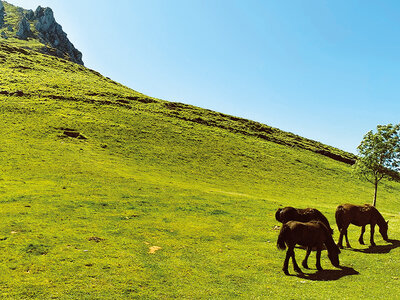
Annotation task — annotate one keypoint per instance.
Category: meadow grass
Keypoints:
(199, 189)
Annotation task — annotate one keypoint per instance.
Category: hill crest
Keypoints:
(25, 30)
(129, 99)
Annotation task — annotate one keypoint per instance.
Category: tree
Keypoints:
(379, 155)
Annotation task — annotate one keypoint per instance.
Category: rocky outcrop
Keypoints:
(24, 29)
(44, 28)
(50, 33)
(30, 15)
(45, 19)
(1, 14)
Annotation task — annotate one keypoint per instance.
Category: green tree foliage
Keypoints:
(379, 155)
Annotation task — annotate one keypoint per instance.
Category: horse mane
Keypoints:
(322, 218)
(380, 220)
(329, 242)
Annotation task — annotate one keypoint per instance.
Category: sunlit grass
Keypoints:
(198, 188)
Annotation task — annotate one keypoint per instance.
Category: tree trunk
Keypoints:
(375, 193)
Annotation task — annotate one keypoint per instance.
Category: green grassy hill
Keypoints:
(106, 193)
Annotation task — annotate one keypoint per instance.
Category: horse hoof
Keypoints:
(319, 269)
(362, 243)
(305, 266)
(299, 271)
(373, 245)
(286, 272)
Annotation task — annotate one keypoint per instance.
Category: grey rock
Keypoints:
(38, 12)
(4, 35)
(2, 12)
(24, 29)
(52, 34)
(10, 28)
(30, 15)
(45, 19)
(48, 31)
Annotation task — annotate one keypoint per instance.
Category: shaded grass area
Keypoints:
(81, 216)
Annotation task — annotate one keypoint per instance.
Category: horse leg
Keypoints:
(340, 241)
(372, 235)
(361, 240)
(343, 232)
(295, 265)
(319, 268)
(347, 239)
(286, 262)
(304, 263)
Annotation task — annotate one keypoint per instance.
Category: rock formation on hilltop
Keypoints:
(51, 33)
(1, 14)
(41, 25)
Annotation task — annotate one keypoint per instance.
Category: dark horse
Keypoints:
(312, 234)
(289, 213)
(359, 215)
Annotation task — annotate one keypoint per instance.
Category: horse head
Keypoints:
(333, 255)
(278, 215)
(383, 229)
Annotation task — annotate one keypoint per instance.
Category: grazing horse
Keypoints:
(289, 213)
(359, 215)
(312, 234)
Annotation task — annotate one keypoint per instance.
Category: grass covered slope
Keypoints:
(108, 193)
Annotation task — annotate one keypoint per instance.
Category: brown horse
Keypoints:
(359, 215)
(312, 234)
(289, 213)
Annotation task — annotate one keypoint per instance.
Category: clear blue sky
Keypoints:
(326, 70)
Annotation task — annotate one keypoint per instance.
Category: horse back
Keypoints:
(359, 215)
(289, 213)
(308, 234)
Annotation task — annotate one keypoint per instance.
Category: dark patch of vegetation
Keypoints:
(37, 249)
(95, 239)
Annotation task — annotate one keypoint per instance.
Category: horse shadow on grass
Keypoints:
(329, 275)
(380, 248)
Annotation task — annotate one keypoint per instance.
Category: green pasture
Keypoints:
(161, 200)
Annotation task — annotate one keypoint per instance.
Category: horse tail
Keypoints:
(278, 215)
(282, 237)
(339, 217)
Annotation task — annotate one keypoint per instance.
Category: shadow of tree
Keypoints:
(380, 248)
(329, 275)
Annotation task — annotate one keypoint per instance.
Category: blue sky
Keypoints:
(326, 70)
